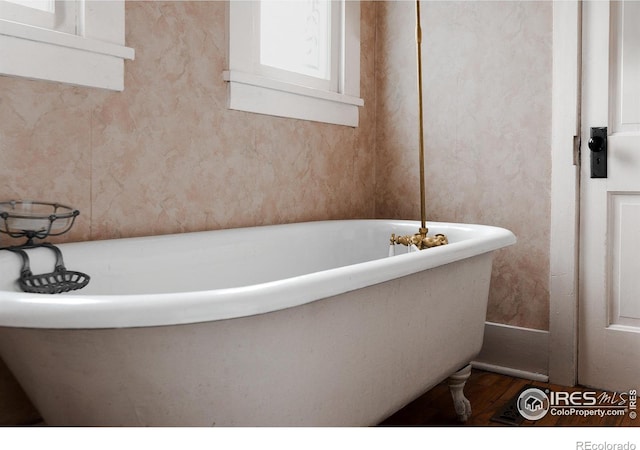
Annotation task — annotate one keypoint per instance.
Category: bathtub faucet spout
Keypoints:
(420, 239)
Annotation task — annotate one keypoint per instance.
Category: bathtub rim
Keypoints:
(62, 311)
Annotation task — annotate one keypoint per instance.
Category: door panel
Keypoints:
(609, 336)
(625, 66)
(624, 263)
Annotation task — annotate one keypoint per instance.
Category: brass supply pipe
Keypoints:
(420, 240)
(423, 215)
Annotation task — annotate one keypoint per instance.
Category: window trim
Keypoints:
(95, 59)
(259, 94)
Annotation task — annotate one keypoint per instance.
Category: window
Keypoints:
(78, 42)
(50, 14)
(298, 59)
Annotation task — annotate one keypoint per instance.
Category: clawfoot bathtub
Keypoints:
(301, 324)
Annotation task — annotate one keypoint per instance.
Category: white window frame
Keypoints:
(57, 15)
(251, 92)
(93, 57)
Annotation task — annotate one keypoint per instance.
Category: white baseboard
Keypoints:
(515, 351)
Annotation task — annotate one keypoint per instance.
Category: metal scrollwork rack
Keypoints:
(39, 220)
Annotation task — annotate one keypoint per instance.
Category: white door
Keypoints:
(609, 307)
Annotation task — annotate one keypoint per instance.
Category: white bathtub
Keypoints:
(300, 324)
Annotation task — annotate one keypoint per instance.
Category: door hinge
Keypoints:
(576, 150)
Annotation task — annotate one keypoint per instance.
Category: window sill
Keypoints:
(261, 95)
(37, 53)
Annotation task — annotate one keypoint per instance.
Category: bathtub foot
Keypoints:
(456, 385)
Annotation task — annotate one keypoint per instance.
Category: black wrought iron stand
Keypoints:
(39, 220)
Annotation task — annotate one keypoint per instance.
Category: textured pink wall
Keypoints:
(166, 155)
(487, 99)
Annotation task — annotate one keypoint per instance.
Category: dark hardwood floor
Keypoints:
(488, 394)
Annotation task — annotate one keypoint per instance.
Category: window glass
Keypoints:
(296, 36)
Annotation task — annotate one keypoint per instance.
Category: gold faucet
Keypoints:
(420, 239)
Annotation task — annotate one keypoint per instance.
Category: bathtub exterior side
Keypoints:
(348, 360)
